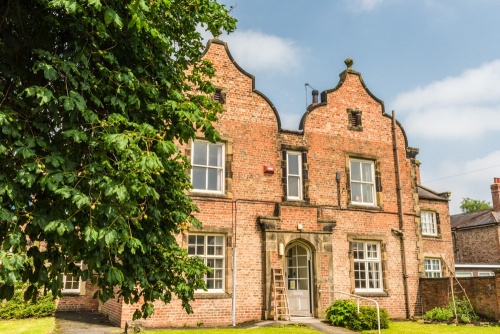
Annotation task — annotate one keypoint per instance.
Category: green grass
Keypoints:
(408, 327)
(286, 329)
(28, 326)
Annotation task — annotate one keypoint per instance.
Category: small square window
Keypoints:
(71, 282)
(354, 119)
(219, 96)
(432, 268)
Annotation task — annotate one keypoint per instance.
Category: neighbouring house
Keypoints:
(476, 239)
(336, 205)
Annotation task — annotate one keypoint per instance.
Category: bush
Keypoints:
(465, 313)
(17, 308)
(344, 313)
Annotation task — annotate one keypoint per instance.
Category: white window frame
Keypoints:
(367, 266)
(485, 274)
(207, 167)
(368, 185)
(216, 261)
(70, 278)
(296, 176)
(433, 268)
(463, 274)
(428, 223)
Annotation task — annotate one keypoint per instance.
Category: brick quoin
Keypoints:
(256, 217)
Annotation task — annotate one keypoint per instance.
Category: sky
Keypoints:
(436, 63)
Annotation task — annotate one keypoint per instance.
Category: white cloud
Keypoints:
(456, 107)
(255, 51)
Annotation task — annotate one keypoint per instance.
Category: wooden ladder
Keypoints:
(279, 298)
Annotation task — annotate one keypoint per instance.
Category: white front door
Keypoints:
(298, 280)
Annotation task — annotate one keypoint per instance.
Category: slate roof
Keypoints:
(426, 193)
(475, 219)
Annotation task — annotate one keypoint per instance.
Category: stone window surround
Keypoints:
(377, 182)
(382, 240)
(228, 237)
(228, 171)
(305, 172)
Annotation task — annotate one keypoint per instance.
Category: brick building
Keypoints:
(476, 239)
(336, 204)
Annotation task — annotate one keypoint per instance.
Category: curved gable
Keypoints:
(221, 58)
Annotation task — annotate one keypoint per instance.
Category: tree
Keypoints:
(94, 96)
(473, 205)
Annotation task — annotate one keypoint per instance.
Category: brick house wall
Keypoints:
(478, 245)
(81, 301)
(261, 225)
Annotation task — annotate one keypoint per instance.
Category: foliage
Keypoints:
(18, 308)
(94, 97)
(465, 313)
(438, 314)
(344, 313)
(28, 326)
(473, 205)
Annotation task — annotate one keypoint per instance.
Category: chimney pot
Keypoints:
(315, 96)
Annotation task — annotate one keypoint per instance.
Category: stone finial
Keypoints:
(349, 62)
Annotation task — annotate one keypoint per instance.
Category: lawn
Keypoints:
(285, 329)
(28, 326)
(407, 327)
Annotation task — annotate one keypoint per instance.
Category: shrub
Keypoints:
(465, 313)
(344, 313)
(17, 308)
(438, 314)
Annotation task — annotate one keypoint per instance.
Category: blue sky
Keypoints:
(435, 62)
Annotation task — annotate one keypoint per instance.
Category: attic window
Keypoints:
(354, 120)
(219, 96)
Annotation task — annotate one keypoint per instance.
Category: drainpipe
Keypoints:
(233, 307)
(400, 214)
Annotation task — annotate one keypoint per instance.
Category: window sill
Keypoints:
(211, 295)
(430, 236)
(71, 293)
(195, 193)
(364, 206)
(371, 293)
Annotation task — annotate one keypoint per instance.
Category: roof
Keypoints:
(475, 219)
(426, 193)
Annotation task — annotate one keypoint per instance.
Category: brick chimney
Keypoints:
(495, 193)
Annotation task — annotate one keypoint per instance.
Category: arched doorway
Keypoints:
(298, 279)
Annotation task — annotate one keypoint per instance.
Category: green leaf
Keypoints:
(110, 16)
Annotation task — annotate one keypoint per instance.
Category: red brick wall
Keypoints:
(483, 293)
(478, 245)
(79, 302)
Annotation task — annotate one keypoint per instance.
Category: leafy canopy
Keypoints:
(473, 205)
(94, 96)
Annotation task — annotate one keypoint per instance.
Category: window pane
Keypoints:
(199, 153)
(367, 193)
(293, 164)
(302, 261)
(356, 192)
(215, 155)
(367, 172)
(293, 186)
(303, 284)
(355, 171)
(199, 178)
(214, 179)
